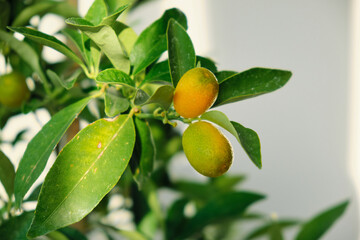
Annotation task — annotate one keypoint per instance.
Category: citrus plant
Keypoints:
(131, 137)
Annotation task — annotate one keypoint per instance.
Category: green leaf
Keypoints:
(181, 51)
(86, 169)
(220, 208)
(34, 194)
(159, 72)
(4, 14)
(222, 120)
(27, 53)
(271, 229)
(114, 76)
(250, 142)
(106, 39)
(152, 41)
(48, 40)
(207, 63)
(35, 9)
(133, 235)
(96, 12)
(77, 39)
(251, 83)
(316, 227)
(141, 97)
(110, 20)
(114, 103)
(72, 233)
(175, 218)
(67, 83)
(127, 38)
(40, 147)
(15, 228)
(143, 158)
(7, 174)
(162, 96)
(223, 75)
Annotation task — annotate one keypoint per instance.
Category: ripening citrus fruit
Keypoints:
(196, 92)
(207, 149)
(13, 90)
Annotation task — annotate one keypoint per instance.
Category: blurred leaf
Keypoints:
(222, 207)
(223, 75)
(56, 235)
(72, 233)
(114, 76)
(251, 83)
(316, 227)
(27, 13)
(7, 174)
(96, 12)
(19, 137)
(133, 235)
(93, 160)
(148, 225)
(67, 83)
(34, 194)
(40, 147)
(175, 218)
(159, 72)
(181, 51)
(106, 39)
(115, 104)
(227, 182)
(15, 228)
(49, 41)
(250, 142)
(151, 43)
(271, 229)
(207, 63)
(195, 190)
(4, 14)
(64, 9)
(144, 154)
(27, 53)
(162, 96)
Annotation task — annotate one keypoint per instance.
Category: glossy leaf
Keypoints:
(67, 83)
(152, 41)
(207, 63)
(40, 147)
(162, 96)
(114, 76)
(251, 83)
(141, 97)
(271, 229)
(144, 155)
(7, 174)
(15, 228)
(250, 142)
(220, 208)
(86, 169)
(48, 40)
(223, 75)
(106, 39)
(127, 38)
(35, 9)
(27, 53)
(160, 72)
(181, 51)
(114, 103)
(96, 12)
(318, 225)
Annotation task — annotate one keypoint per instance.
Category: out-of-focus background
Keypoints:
(308, 129)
